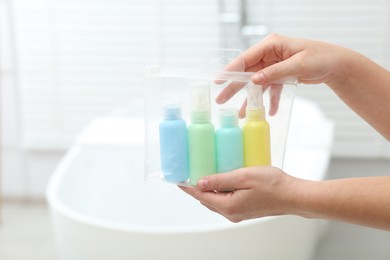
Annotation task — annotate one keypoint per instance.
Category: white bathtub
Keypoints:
(102, 209)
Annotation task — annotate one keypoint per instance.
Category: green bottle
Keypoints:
(201, 136)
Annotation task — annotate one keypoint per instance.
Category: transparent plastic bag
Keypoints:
(188, 135)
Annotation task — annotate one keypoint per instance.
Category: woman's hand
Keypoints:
(256, 192)
(267, 191)
(278, 57)
(246, 193)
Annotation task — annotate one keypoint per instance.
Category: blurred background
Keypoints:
(64, 63)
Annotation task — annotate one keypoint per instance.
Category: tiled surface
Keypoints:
(25, 233)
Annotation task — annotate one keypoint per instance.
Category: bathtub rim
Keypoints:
(56, 204)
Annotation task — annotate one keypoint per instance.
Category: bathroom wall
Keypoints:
(360, 25)
(65, 62)
(68, 62)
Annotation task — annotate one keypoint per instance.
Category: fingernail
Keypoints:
(202, 184)
(220, 100)
(258, 77)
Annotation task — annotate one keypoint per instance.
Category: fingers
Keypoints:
(229, 181)
(274, 59)
(229, 92)
(274, 95)
(242, 112)
(275, 92)
(256, 193)
(268, 59)
(269, 50)
(208, 198)
(236, 65)
(275, 72)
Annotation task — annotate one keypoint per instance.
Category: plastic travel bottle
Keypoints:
(174, 145)
(256, 132)
(201, 135)
(229, 142)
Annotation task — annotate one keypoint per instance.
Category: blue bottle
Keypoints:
(229, 142)
(174, 145)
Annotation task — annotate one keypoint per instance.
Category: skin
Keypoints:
(268, 191)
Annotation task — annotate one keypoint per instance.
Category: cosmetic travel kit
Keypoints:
(188, 135)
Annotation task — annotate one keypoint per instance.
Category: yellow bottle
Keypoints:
(256, 131)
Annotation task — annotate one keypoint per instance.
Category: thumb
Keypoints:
(223, 181)
(276, 73)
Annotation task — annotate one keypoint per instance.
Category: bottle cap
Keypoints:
(172, 111)
(200, 103)
(255, 107)
(228, 117)
(255, 97)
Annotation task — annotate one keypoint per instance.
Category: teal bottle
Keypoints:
(174, 145)
(229, 142)
(201, 136)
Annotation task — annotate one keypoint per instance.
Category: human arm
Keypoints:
(359, 82)
(268, 191)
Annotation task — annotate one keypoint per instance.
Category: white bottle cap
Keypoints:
(200, 102)
(172, 111)
(228, 117)
(255, 107)
(255, 97)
